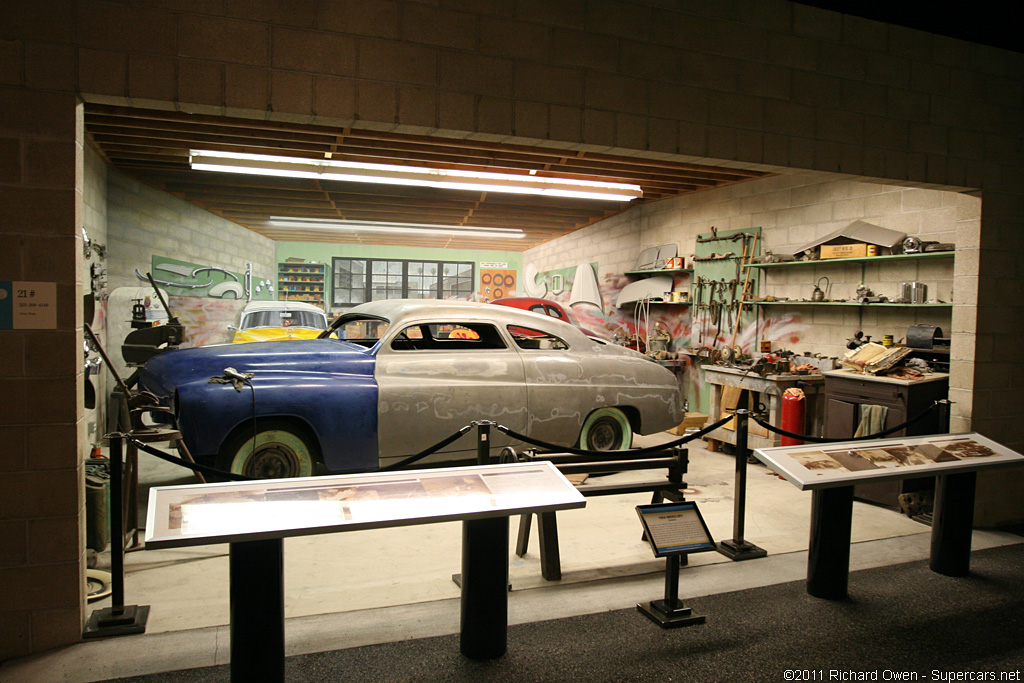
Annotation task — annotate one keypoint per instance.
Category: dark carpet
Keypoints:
(901, 622)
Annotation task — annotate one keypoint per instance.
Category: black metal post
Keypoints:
(944, 412)
(483, 633)
(483, 443)
(952, 524)
(256, 599)
(737, 548)
(670, 612)
(828, 558)
(116, 522)
(672, 582)
(118, 619)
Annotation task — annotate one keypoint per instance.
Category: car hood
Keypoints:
(169, 369)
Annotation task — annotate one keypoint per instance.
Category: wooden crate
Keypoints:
(691, 421)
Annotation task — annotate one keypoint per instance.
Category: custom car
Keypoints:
(391, 378)
(277, 320)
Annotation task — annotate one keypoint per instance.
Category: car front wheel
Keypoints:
(606, 429)
(274, 451)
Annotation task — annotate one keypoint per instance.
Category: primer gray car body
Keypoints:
(390, 379)
(545, 392)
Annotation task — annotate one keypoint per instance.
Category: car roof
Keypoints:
(399, 311)
(280, 306)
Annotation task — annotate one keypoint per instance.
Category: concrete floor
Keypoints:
(351, 589)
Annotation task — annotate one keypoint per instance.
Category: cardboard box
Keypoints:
(844, 250)
(691, 421)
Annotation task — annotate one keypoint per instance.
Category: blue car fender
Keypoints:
(338, 410)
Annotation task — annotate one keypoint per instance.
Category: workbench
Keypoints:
(768, 391)
(847, 391)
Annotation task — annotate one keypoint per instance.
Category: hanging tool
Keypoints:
(743, 292)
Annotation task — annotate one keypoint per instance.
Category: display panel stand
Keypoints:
(674, 530)
(828, 555)
(830, 471)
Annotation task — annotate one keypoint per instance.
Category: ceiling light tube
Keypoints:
(341, 225)
(350, 171)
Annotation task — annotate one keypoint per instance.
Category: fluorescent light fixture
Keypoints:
(341, 225)
(331, 169)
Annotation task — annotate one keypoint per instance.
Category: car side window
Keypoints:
(448, 337)
(529, 338)
(554, 312)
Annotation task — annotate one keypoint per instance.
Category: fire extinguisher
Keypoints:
(794, 415)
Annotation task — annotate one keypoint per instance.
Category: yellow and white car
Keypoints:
(278, 320)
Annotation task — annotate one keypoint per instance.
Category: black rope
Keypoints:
(629, 452)
(194, 466)
(822, 439)
(422, 454)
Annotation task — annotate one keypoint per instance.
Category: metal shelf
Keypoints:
(659, 272)
(857, 259)
(846, 303)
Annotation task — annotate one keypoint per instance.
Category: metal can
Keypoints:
(872, 250)
(887, 340)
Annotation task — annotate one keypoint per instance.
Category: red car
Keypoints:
(543, 307)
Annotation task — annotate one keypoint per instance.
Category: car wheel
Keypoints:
(606, 429)
(276, 451)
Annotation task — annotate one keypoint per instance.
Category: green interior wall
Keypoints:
(324, 253)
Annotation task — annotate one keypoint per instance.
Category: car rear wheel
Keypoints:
(606, 429)
(275, 451)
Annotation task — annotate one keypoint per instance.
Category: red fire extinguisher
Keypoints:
(794, 415)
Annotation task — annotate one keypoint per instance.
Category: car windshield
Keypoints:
(362, 330)
(310, 319)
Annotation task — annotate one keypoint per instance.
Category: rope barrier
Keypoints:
(631, 452)
(422, 454)
(195, 467)
(822, 439)
(205, 469)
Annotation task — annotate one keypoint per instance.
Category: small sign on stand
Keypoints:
(673, 530)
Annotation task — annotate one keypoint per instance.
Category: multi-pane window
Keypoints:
(360, 280)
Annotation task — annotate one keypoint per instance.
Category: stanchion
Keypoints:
(118, 619)
(483, 442)
(737, 548)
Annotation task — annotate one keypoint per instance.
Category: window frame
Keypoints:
(409, 284)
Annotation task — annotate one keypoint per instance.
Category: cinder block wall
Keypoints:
(762, 83)
(146, 222)
(793, 210)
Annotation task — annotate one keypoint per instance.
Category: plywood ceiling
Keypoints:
(153, 146)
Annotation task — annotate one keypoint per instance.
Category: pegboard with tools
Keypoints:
(723, 286)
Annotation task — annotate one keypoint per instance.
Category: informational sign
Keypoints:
(28, 305)
(844, 463)
(502, 265)
(675, 528)
(198, 514)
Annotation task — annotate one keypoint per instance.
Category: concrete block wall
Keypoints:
(42, 494)
(145, 221)
(793, 210)
(768, 84)
(94, 220)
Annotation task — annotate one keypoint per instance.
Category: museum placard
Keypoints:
(848, 463)
(198, 514)
(28, 305)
